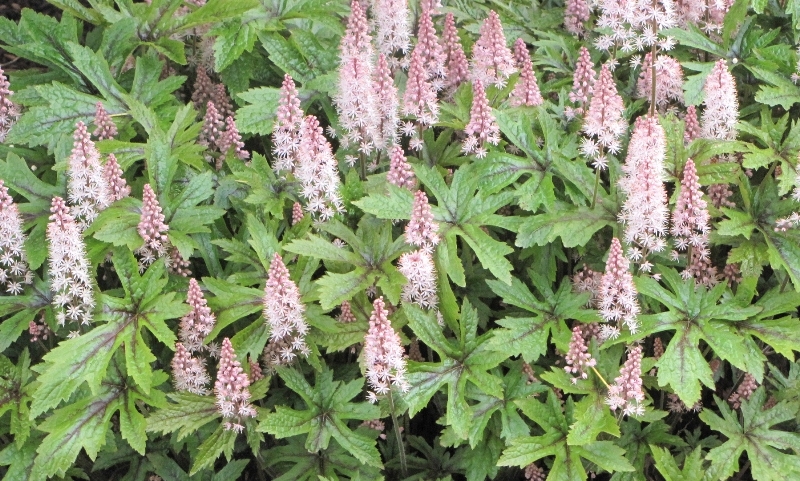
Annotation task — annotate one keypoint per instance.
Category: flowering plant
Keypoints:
(400, 239)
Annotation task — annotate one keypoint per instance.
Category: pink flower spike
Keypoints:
(383, 354)
(669, 80)
(388, 105)
(355, 99)
(199, 322)
(112, 173)
(317, 171)
(721, 104)
(420, 97)
(188, 372)
(422, 230)
(283, 311)
(87, 188)
(231, 140)
(456, 60)
(203, 91)
(231, 389)
(106, 129)
(618, 303)
(420, 273)
(578, 358)
(9, 112)
(644, 212)
(626, 393)
(152, 229)
(692, 129)
(576, 14)
(492, 61)
(14, 271)
(392, 26)
(526, 91)
(286, 132)
(213, 126)
(604, 119)
(433, 55)
(400, 172)
(70, 280)
(583, 80)
(482, 126)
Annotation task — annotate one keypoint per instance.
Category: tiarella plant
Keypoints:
(400, 239)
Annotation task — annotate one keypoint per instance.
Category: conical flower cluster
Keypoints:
(117, 186)
(420, 96)
(721, 104)
(400, 173)
(420, 272)
(456, 60)
(87, 188)
(482, 126)
(690, 218)
(9, 112)
(691, 130)
(526, 91)
(283, 312)
(188, 372)
(231, 389)
(690, 228)
(492, 61)
(582, 82)
(392, 26)
(14, 271)
(604, 121)
(213, 127)
(199, 322)
(428, 46)
(669, 80)
(203, 91)
(317, 171)
(69, 268)
(388, 105)
(576, 13)
(152, 229)
(626, 393)
(231, 140)
(105, 127)
(644, 212)
(355, 99)
(618, 304)
(422, 230)
(286, 132)
(578, 358)
(383, 354)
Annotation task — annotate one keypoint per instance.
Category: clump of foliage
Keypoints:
(400, 239)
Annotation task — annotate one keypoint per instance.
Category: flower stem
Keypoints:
(398, 435)
(596, 184)
(601, 377)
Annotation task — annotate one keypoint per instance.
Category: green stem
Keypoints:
(785, 282)
(596, 185)
(400, 447)
(601, 377)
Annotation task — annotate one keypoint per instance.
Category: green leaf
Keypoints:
(491, 253)
(753, 435)
(82, 424)
(396, 204)
(220, 441)
(337, 288)
(683, 367)
(259, 116)
(132, 425)
(574, 227)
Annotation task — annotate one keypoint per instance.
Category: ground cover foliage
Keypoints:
(390, 239)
